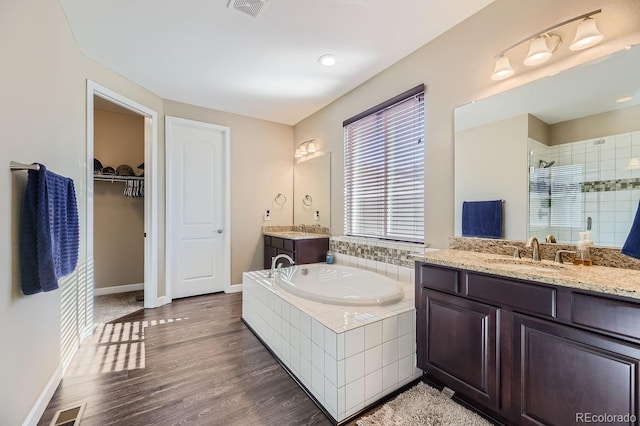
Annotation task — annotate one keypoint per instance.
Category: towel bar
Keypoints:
(14, 165)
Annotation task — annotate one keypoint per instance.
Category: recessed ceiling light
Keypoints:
(327, 60)
(625, 99)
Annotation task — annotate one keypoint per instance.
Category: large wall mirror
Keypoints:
(312, 191)
(563, 152)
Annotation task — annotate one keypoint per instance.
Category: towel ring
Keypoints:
(280, 199)
(307, 200)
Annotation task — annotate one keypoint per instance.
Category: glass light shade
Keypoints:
(587, 35)
(538, 51)
(311, 147)
(502, 69)
(300, 152)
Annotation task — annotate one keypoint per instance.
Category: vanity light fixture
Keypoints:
(543, 44)
(306, 147)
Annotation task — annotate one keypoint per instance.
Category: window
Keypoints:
(384, 169)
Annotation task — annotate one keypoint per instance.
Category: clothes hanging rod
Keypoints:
(14, 165)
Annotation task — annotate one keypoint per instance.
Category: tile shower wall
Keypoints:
(610, 187)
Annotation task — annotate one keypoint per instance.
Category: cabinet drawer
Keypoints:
(438, 278)
(277, 242)
(288, 245)
(523, 296)
(613, 316)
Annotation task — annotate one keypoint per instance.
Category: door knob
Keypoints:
(219, 231)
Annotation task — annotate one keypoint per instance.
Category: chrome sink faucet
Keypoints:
(533, 242)
(274, 261)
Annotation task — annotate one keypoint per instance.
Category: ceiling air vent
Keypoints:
(250, 7)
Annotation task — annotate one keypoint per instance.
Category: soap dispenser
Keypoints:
(583, 255)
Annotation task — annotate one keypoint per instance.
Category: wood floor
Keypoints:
(190, 362)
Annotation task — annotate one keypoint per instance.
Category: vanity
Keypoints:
(531, 342)
(302, 247)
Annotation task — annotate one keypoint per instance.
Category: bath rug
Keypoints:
(422, 405)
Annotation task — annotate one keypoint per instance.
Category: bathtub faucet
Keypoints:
(274, 261)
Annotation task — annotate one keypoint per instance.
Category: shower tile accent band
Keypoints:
(611, 185)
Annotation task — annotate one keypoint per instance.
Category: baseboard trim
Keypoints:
(117, 289)
(43, 400)
(163, 300)
(234, 288)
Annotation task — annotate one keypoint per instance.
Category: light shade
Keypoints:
(502, 69)
(311, 147)
(587, 35)
(539, 52)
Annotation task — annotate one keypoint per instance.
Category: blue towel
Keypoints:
(49, 231)
(482, 219)
(632, 245)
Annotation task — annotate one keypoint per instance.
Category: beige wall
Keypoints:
(596, 126)
(494, 173)
(538, 130)
(118, 227)
(455, 68)
(41, 109)
(261, 167)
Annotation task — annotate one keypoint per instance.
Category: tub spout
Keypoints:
(275, 265)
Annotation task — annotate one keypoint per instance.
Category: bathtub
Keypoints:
(339, 285)
(346, 357)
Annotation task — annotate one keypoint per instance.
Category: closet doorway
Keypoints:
(121, 199)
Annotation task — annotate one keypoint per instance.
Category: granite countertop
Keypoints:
(295, 235)
(602, 279)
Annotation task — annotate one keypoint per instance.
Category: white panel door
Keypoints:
(195, 199)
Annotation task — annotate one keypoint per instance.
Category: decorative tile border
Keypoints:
(602, 256)
(391, 252)
(611, 185)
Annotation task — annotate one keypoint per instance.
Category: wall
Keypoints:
(595, 126)
(500, 167)
(455, 68)
(118, 227)
(261, 167)
(41, 110)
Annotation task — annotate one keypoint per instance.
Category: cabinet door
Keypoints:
(269, 253)
(563, 375)
(284, 261)
(458, 345)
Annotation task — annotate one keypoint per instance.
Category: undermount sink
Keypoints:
(528, 265)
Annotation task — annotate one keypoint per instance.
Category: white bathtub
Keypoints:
(339, 285)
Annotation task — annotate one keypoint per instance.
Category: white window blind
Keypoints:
(384, 170)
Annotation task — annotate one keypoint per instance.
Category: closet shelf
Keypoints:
(116, 178)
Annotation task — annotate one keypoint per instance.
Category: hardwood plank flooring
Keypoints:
(200, 365)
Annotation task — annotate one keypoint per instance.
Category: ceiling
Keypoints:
(204, 53)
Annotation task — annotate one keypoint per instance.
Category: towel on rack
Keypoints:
(632, 244)
(49, 231)
(482, 219)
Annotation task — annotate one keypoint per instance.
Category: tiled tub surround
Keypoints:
(346, 357)
(601, 256)
(601, 279)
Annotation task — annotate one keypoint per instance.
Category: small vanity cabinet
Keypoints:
(529, 353)
(302, 250)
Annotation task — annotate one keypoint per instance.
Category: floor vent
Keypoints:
(68, 417)
(250, 7)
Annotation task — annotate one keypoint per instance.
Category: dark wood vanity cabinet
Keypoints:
(302, 251)
(529, 353)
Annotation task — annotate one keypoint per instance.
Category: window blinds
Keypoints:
(384, 171)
